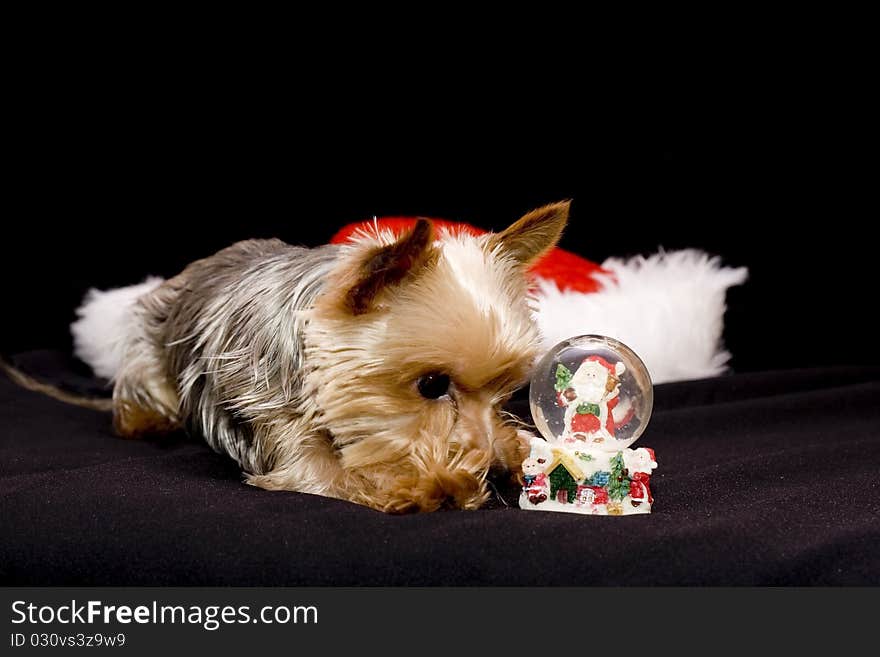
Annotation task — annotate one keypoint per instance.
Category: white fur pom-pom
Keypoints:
(104, 321)
(669, 308)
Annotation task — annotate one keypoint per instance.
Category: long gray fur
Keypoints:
(232, 338)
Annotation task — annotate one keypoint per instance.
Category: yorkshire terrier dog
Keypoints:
(373, 371)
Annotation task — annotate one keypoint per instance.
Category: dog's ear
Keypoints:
(384, 266)
(533, 234)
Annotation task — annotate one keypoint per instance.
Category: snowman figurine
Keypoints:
(536, 485)
(590, 397)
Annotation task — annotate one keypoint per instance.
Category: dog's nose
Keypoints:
(462, 491)
(450, 502)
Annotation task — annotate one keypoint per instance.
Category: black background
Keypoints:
(114, 177)
(120, 166)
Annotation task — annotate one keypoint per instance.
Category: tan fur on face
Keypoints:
(464, 313)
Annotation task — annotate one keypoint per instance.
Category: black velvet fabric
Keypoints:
(764, 479)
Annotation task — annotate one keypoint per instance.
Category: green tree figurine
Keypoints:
(618, 483)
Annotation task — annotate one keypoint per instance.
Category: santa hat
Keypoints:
(616, 369)
(668, 307)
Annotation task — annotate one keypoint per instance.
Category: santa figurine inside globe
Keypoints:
(591, 398)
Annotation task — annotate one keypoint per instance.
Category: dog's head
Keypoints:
(413, 349)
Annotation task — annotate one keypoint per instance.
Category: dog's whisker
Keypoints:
(497, 492)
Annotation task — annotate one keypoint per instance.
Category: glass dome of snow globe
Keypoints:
(592, 391)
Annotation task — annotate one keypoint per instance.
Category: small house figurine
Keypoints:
(591, 398)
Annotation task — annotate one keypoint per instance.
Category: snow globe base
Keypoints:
(587, 480)
(591, 398)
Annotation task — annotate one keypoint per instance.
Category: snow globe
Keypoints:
(591, 398)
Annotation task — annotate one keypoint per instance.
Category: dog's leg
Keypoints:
(145, 398)
(144, 401)
(293, 457)
(511, 448)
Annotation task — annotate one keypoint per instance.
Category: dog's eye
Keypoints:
(433, 385)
